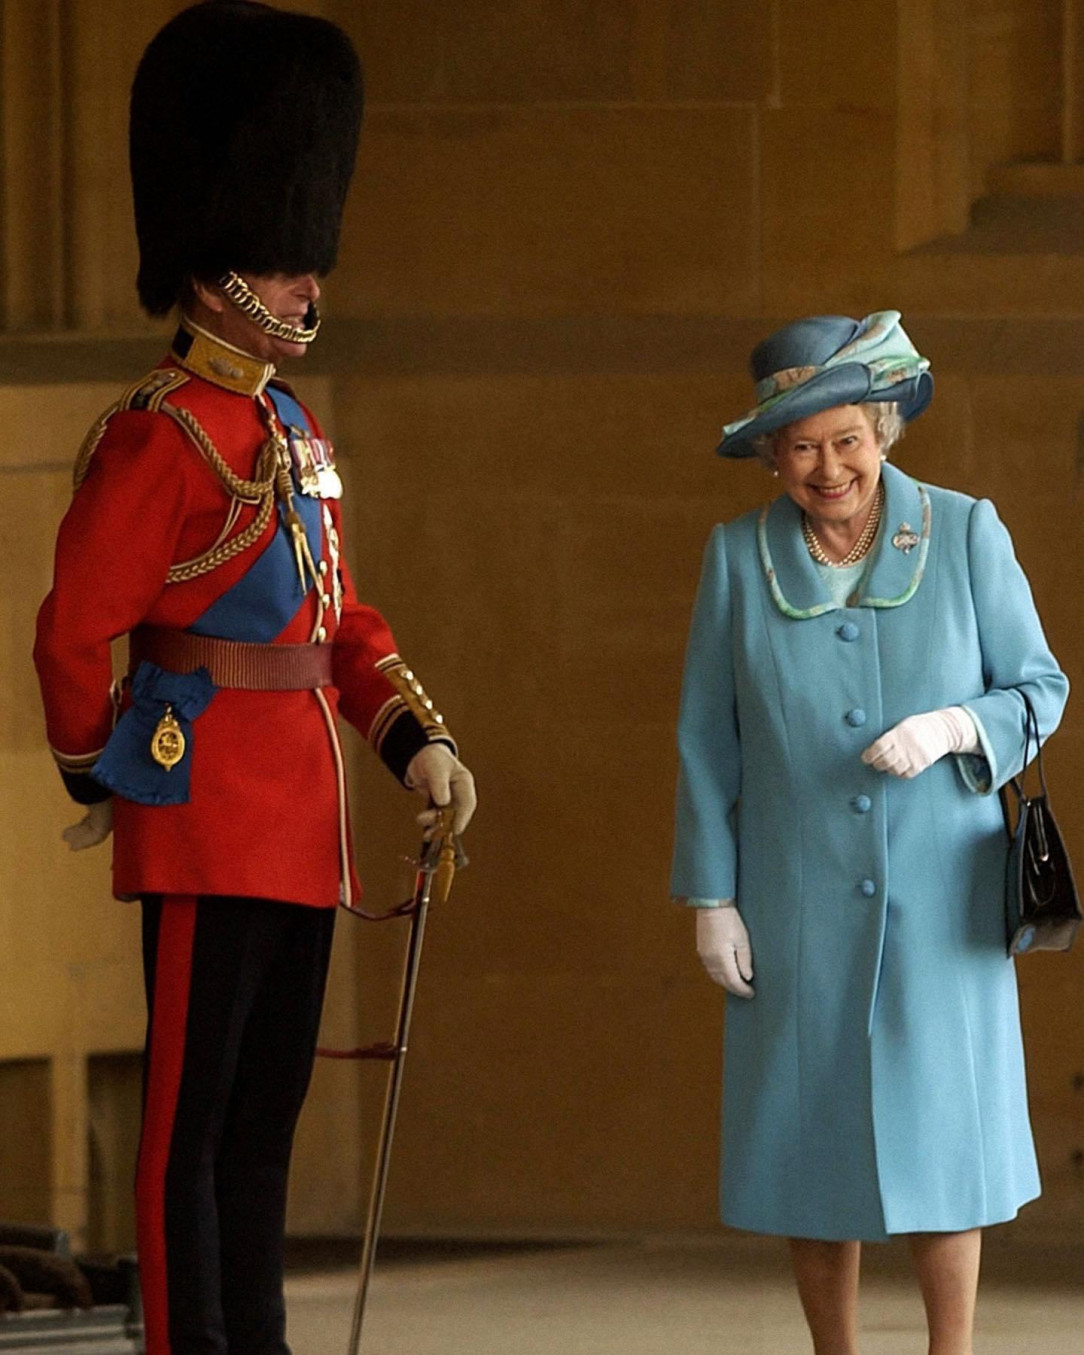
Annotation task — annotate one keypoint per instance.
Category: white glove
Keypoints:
(437, 773)
(921, 740)
(723, 946)
(94, 828)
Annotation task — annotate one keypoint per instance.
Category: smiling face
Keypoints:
(830, 465)
(286, 296)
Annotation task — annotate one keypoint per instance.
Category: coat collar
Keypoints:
(207, 356)
(896, 569)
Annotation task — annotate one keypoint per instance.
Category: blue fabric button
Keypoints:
(862, 804)
(856, 718)
(848, 631)
(868, 888)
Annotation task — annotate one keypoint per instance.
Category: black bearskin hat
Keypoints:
(243, 132)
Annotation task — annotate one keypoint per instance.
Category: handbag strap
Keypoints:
(1031, 729)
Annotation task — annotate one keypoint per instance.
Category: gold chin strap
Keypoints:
(237, 291)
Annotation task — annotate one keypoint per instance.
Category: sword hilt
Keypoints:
(442, 855)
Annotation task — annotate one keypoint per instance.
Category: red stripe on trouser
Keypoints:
(172, 975)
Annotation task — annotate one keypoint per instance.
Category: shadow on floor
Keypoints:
(1008, 1258)
(308, 1255)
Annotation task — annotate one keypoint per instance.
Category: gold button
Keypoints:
(408, 675)
(321, 634)
(323, 566)
(427, 704)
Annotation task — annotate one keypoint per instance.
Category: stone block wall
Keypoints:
(570, 223)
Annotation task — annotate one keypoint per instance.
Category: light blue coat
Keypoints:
(875, 1084)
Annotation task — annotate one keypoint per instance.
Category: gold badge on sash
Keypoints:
(168, 743)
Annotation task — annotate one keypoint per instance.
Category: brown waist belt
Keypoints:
(233, 663)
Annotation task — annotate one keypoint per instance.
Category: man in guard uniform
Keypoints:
(206, 527)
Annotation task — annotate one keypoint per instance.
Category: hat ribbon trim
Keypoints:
(883, 372)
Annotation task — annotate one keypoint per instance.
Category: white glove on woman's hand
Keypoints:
(723, 946)
(94, 828)
(437, 773)
(919, 741)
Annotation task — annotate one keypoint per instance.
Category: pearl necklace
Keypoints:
(860, 547)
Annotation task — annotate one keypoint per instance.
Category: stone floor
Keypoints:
(655, 1296)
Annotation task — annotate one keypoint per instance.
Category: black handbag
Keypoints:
(1042, 910)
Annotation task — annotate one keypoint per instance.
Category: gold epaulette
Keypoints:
(147, 393)
(409, 696)
(153, 389)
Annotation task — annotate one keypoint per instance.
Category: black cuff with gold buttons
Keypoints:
(404, 738)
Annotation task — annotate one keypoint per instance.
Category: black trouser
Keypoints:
(234, 991)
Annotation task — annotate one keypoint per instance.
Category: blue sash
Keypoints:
(256, 609)
(262, 603)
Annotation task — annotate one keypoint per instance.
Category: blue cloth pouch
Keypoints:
(126, 766)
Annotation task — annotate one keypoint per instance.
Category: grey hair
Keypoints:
(884, 417)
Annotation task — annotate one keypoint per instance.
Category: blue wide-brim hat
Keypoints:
(828, 360)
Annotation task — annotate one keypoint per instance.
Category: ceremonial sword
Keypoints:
(440, 857)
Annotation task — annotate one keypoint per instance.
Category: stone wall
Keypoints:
(570, 222)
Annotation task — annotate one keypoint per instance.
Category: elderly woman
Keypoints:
(852, 702)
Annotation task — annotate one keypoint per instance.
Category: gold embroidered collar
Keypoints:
(222, 364)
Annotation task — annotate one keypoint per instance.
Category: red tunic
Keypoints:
(267, 814)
